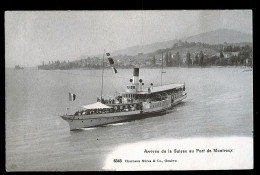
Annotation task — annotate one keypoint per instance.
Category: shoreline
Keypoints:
(130, 67)
(246, 67)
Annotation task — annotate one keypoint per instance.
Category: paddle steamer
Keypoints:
(135, 103)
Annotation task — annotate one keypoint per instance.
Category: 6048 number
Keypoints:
(117, 160)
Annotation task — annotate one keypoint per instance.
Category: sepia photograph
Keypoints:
(128, 90)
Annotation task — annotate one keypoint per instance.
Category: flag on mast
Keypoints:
(111, 61)
(72, 97)
(114, 70)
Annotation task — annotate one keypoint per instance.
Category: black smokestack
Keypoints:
(136, 72)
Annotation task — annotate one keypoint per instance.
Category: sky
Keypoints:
(35, 36)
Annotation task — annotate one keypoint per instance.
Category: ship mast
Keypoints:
(162, 69)
(102, 77)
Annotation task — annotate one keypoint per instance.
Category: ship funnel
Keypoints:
(136, 76)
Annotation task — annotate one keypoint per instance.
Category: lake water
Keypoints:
(219, 104)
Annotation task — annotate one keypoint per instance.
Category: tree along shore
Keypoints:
(182, 54)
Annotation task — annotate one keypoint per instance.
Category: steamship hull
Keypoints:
(95, 120)
(134, 104)
(86, 121)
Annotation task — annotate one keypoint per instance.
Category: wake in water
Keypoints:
(116, 124)
(92, 128)
(88, 129)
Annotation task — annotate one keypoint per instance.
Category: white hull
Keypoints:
(85, 121)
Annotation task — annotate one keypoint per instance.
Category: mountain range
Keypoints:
(213, 37)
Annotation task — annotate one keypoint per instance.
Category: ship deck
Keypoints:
(166, 87)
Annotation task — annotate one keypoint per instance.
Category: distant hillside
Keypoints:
(213, 37)
(145, 48)
(220, 36)
(180, 54)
